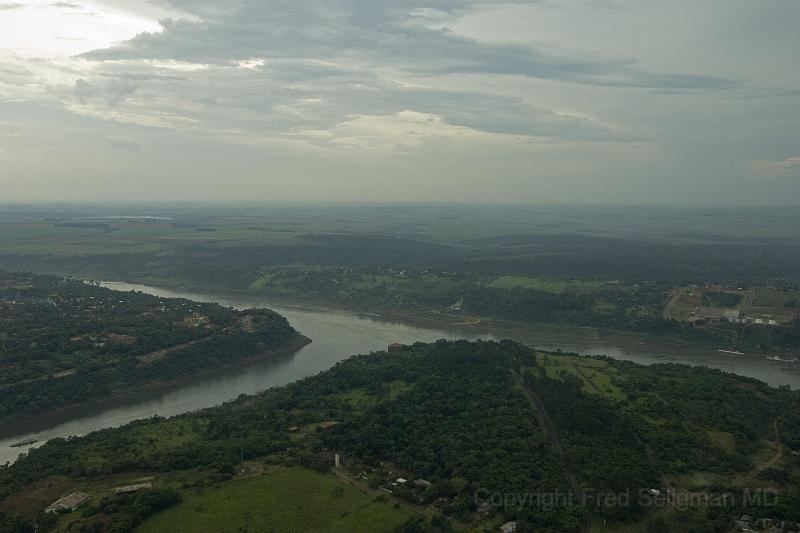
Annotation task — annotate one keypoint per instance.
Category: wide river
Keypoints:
(337, 335)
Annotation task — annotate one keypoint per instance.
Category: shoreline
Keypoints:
(526, 333)
(148, 389)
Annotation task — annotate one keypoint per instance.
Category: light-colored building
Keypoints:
(127, 489)
(717, 313)
(68, 503)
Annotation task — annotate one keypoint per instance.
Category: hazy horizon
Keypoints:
(160, 204)
(579, 103)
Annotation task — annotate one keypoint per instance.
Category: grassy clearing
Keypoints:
(372, 281)
(555, 367)
(603, 382)
(285, 500)
(771, 304)
(263, 282)
(361, 398)
(548, 285)
(684, 303)
(696, 480)
(766, 297)
(149, 439)
(604, 307)
(597, 376)
(723, 440)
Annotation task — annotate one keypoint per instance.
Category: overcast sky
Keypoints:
(549, 101)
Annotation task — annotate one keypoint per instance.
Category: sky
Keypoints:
(609, 102)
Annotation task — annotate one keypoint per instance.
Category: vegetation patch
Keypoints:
(284, 500)
(432, 424)
(65, 342)
(548, 285)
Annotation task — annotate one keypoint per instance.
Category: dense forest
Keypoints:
(235, 265)
(467, 424)
(64, 341)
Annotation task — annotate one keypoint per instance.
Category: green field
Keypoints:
(597, 376)
(772, 304)
(548, 285)
(724, 440)
(285, 501)
(684, 303)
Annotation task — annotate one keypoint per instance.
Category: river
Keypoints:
(336, 335)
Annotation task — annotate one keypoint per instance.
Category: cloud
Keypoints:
(377, 34)
(113, 93)
(513, 91)
(13, 5)
(785, 168)
(271, 69)
(13, 70)
(406, 129)
(120, 141)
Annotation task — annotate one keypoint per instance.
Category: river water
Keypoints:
(336, 335)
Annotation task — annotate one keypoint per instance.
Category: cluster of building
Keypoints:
(393, 484)
(721, 314)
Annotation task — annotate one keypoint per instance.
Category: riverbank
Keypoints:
(637, 347)
(535, 334)
(146, 389)
(337, 335)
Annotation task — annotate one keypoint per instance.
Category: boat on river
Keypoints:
(782, 359)
(24, 442)
(732, 352)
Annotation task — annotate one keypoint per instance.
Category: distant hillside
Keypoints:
(64, 342)
(456, 435)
